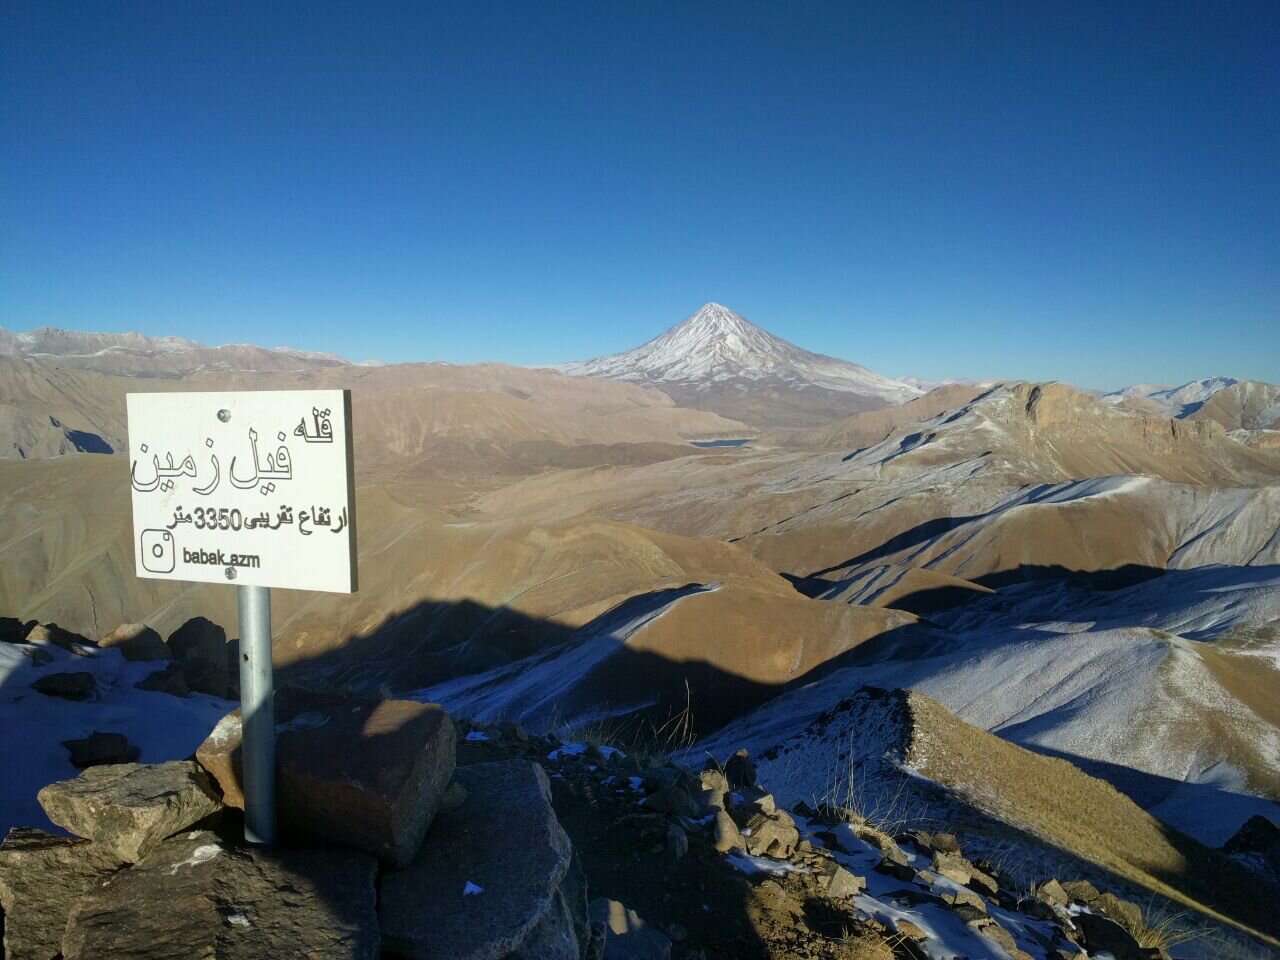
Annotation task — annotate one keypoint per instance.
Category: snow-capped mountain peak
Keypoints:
(715, 346)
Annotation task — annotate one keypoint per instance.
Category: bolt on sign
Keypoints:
(251, 488)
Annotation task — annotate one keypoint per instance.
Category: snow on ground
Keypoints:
(1177, 401)
(34, 725)
(531, 690)
(1094, 676)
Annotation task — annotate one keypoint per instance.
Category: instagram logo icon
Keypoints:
(158, 553)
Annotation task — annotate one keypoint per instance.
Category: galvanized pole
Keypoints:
(257, 713)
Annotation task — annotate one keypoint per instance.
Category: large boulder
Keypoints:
(202, 646)
(487, 882)
(41, 876)
(137, 641)
(193, 896)
(362, 773)
(129, 808)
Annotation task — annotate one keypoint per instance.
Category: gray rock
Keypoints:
(1124, 912)
(727, 835)
(69, 686)
(627, 937)
(137, 641)
(98, 749)
(53, 634)
(357, 772)
(837, 882)
(952, 866)
(1081, 891)
(554, 938)
(507, 842)
(1052, 893)
(998, 935)
(195, 897)
(454, 796)
(1101, 934)
(41, 877)
(38, 656)
(714, 790)
(13, 630)
(966, 904)
(740, 771)
(772, 836)
(129, 808)
(202, 646)
(172, 680)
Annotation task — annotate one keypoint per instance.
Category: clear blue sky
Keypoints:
(1088, 191)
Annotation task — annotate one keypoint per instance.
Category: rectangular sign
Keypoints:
(250, 487)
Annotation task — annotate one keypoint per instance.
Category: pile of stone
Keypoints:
(384, 846)
(197, 657)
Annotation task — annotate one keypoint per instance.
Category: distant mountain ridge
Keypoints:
(1236, 404)
(134, 354)
(717, 360)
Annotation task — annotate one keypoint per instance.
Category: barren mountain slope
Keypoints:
(437, 596)
(717, 360)
(872, 426)
(1001, 483)
(1246, 405)
(440, 431)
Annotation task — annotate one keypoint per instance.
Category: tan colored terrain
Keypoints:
(872, 426)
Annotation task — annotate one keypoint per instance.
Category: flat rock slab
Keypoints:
(488, 876)
(195, 897)
(129, 808)
(358, 772)
(41, 877)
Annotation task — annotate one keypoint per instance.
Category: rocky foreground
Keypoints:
(408, 833)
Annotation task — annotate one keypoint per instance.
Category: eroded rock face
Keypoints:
(477, 890)
(129, 808)
(137, 641)
(41, 877)
(361, 773)
(195, 897)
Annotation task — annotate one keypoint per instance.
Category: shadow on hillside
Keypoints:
(1149, 790)
(436, 643)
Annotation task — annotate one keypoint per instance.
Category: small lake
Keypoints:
(719, 443)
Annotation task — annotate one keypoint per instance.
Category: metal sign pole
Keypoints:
(257, 715)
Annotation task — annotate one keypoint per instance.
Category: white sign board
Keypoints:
(252, 487)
